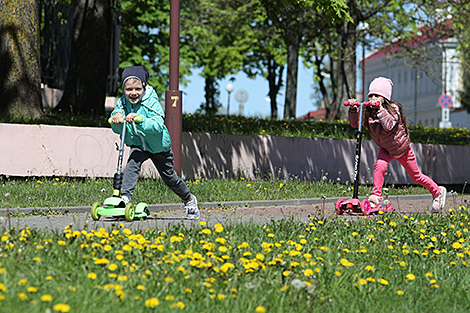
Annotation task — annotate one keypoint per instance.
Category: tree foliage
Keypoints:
(295, 19)
(219, 34)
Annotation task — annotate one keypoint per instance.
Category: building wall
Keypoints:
(44, 150)
(418, 88)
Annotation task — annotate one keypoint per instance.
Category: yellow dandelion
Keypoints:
(346, 263)
(308, 272)
(226, 267)
(410, 277)
(400, 293)
(22, 296)
(22, 282)
(260, 309)
(91, 275)
(383, 281)
(122, 278)
(457, 245)
(152, 302)
(61, 307)
(46, 298)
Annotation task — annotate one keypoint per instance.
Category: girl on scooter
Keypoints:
(387, 127)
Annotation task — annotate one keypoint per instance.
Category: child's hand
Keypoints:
(118, 118)
(130, 117)
(352, 103)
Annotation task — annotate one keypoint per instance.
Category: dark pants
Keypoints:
(164, 163)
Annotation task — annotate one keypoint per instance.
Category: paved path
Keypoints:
(225, 213)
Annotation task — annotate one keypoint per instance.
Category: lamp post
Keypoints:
(229, 89)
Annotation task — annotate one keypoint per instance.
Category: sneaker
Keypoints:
(126, 199)
(440, 201)
(192, 211)
(375, 201)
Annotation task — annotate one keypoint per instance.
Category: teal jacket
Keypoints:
(151, 134)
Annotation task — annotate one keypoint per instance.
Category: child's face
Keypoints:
(374, 98)
(133, 90)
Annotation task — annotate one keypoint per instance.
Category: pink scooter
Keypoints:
(354, 204)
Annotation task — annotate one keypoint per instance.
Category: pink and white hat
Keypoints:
(381, 86)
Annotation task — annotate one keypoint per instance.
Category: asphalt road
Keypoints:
(164, 215)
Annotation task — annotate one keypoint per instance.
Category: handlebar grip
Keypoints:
(137, 119)
(366, 103)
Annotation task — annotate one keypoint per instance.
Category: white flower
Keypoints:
(298, 284)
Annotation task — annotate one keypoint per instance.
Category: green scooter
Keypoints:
(114, 206)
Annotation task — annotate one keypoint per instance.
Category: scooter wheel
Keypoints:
(338, 209)
(365, 207)
(94, 211)
(129, 213)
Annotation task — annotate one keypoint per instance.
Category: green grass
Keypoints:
(63, 192)
(390, 263)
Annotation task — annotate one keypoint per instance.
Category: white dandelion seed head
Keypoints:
(298, 284)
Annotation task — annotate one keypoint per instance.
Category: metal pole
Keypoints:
(174, 97)
(363, 70)
(415, 98)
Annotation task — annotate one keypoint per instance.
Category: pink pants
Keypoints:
(408, 161)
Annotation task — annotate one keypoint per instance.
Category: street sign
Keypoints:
(445, 101)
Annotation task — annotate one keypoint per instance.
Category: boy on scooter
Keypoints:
(149, 139)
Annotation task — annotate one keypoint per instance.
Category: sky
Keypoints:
(257, 104)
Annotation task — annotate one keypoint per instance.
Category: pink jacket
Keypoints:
(386, 129)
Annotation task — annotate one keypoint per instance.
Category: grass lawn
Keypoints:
(390, 263)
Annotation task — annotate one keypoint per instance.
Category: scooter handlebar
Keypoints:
(137, 119)
(365, 103)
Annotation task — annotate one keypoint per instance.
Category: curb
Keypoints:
(206, 205)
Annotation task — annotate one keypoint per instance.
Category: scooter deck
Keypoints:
(357, 206)
(115, 207)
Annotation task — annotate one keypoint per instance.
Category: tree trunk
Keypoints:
(85, 87)
(291, 80)
(345, 71)
(211, 106)
(274, 86)
(20, 70)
